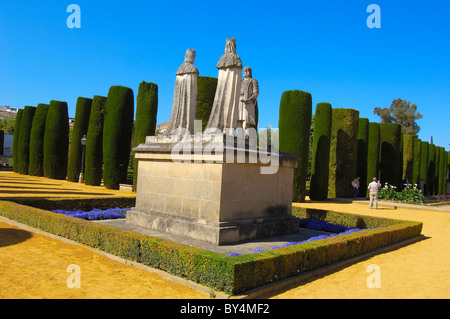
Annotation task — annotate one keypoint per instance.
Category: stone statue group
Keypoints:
(234, 101)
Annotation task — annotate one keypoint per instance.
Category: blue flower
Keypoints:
(96, 214)
(258, 250)
(345, 232)
(234, 254)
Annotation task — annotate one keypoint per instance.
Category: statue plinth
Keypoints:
(222, 195)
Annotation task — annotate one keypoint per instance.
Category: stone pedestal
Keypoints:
(209, 196)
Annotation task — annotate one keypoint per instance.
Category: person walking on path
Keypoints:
(355, 184)
(373, 193)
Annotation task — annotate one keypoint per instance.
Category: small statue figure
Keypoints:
(185, 97)
(224, 112)
(249, 95)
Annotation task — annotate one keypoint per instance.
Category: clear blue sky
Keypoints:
(322, 47)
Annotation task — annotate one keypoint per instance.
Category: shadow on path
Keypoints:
(13, 236)
(303, 279)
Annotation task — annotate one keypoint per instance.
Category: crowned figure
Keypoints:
(185, 97)
(224, 112)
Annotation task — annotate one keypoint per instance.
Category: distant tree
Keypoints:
(401, 112)
(7, 124)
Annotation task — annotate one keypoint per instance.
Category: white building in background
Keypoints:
(6, 108)
(8, 145)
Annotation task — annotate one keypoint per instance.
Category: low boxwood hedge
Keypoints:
(77, 203)
(233, 275)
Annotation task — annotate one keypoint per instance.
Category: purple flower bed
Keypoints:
(313, 224)
(96, 214)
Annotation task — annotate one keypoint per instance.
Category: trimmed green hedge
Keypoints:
(294, 133)
(442, 171)
(233, 275)
(206, 87)
(416, 160)
(2, 141)
(362, 153)
(16, 141)
(56, 141)
(36, 166)
(391, 153)
(424, 165)
(93, 163)
(320, 152)
(408, 156)
(431, 169)
(447, 160)
(80, 128)
(343, 152)
(24, 139)
(146, 112)
(85, 204)
(373, 152)
(117, 133)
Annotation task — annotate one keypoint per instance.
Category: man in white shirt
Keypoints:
(373, 193)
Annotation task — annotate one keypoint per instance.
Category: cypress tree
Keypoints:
(446, 172)
(117, 132)
(424, 167)
(94, 143)
(408, 156)
(343, 150)
(373, 152)
(436, 170)
(431, 169)
(294, 130)
(320, 152)
(16, 141)
(80, 127)
(362, 149)
(442, 170)
(56, 141)
(146, 111)
(206, 90)
(24, 138)
(390, 153)
(416, 160)
(2, 141)
(36, 167)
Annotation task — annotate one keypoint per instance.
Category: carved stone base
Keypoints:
(221, 233)
(212, 199)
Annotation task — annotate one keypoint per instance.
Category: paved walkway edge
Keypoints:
(257, 293)
(203, 289)
(269, 290)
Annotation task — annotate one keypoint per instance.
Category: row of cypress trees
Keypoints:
(345, 146)
(41, 142)
(41, 139)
